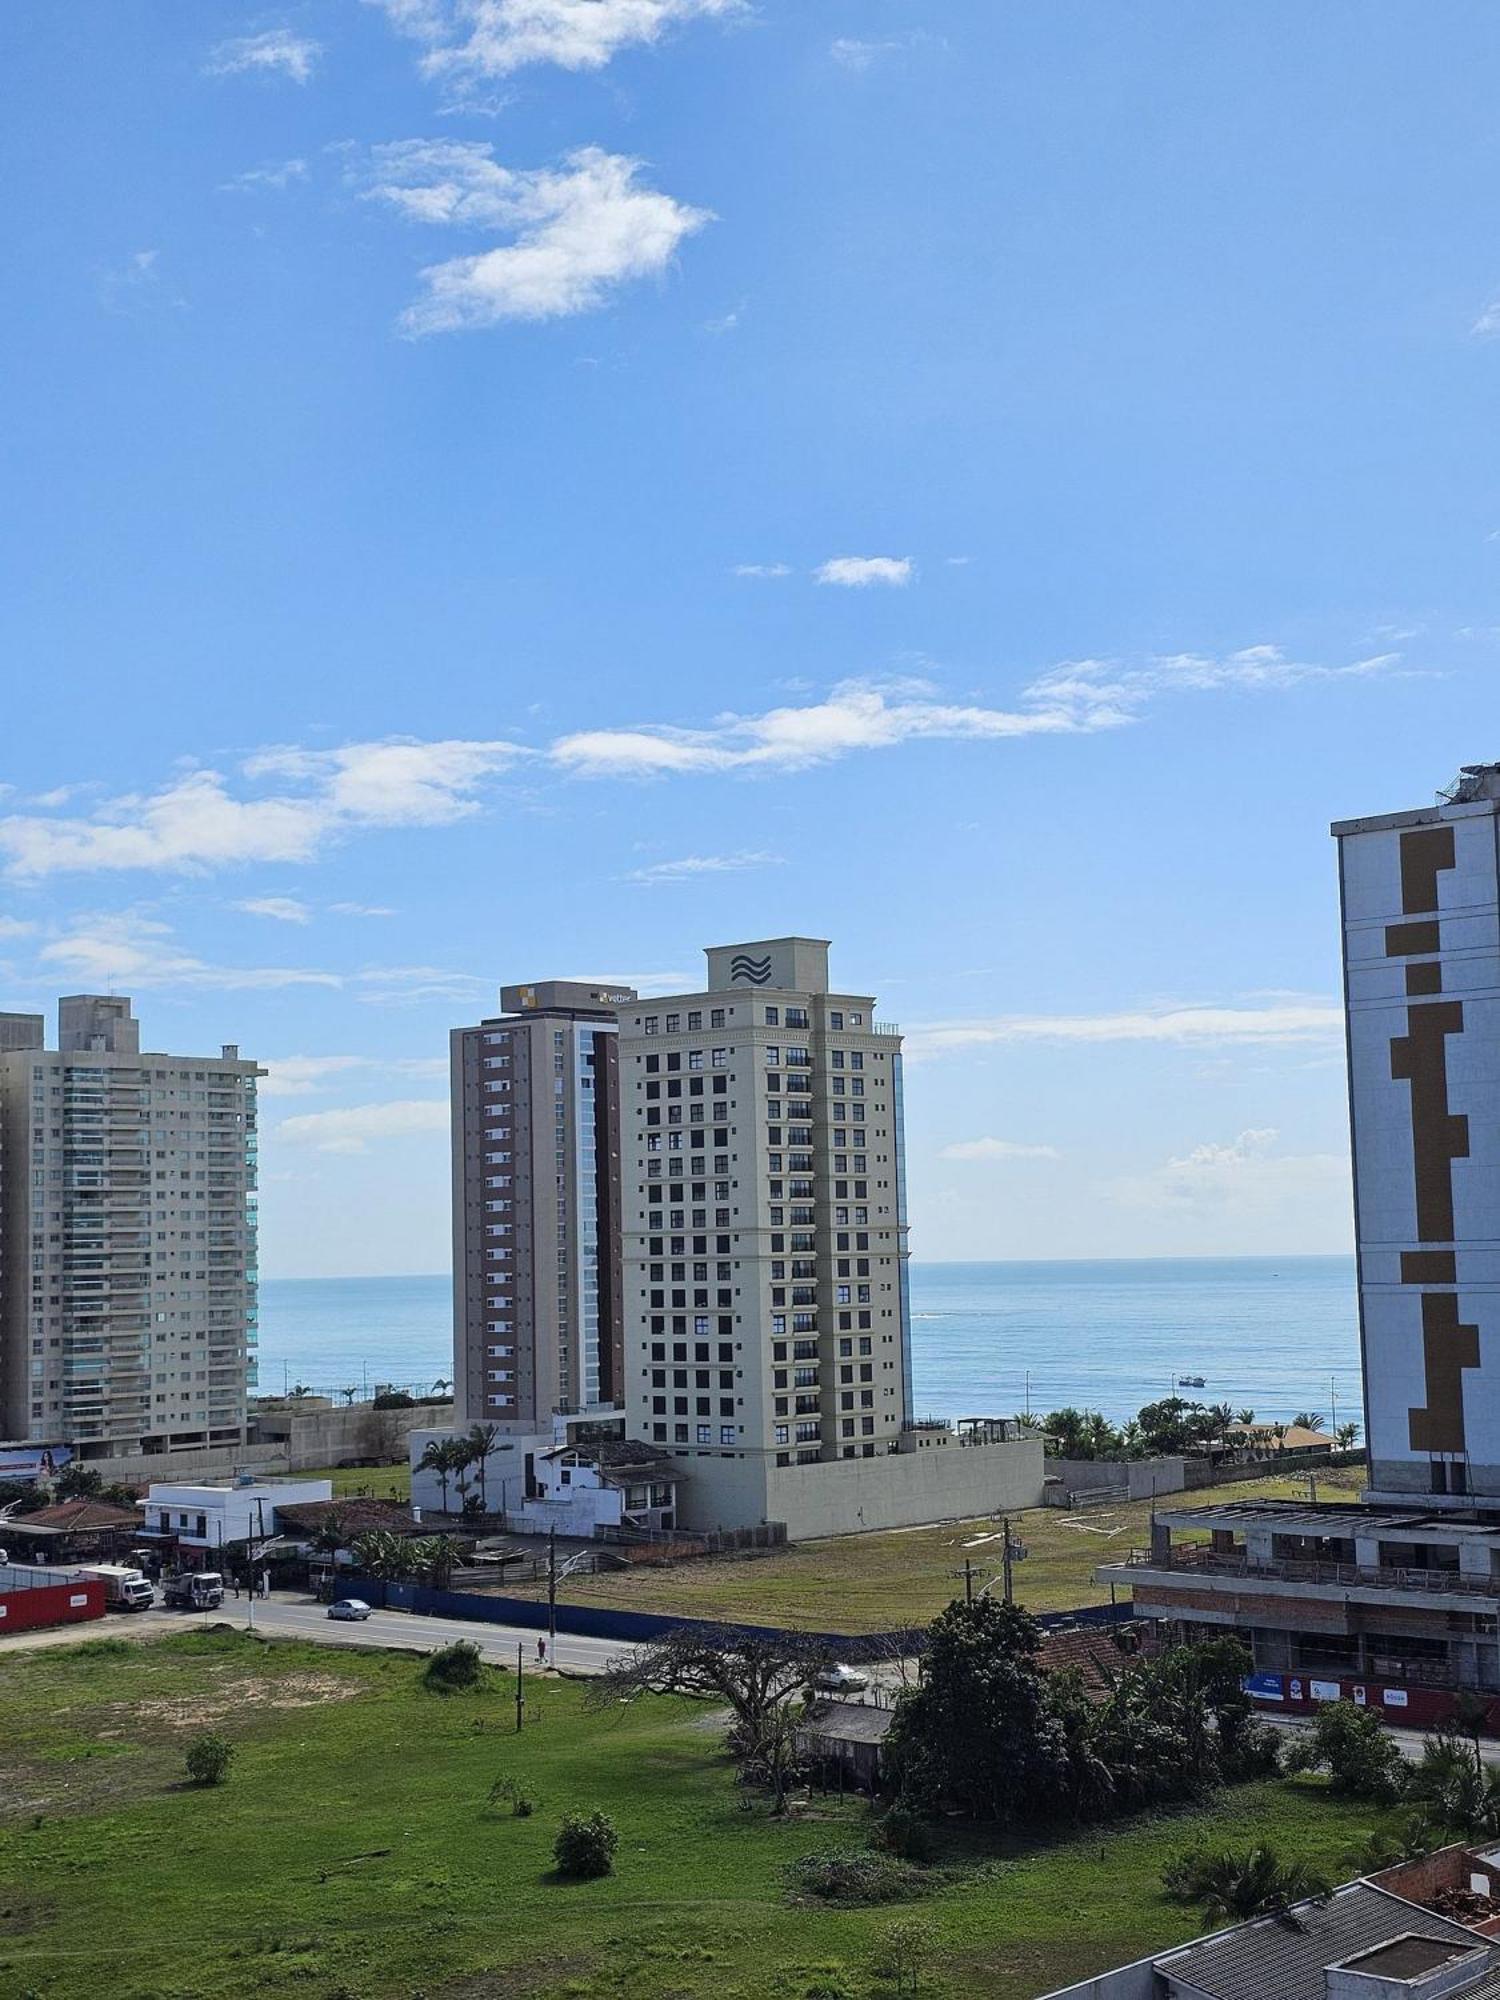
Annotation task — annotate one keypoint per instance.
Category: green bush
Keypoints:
(454, 1669)
(585, 1845)
(208, 1759)
(855, 1875)
(905, 1834)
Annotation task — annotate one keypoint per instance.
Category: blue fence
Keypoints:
(588, 1621)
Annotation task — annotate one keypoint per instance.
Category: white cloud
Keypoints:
(1102, 690)
(1290, 1021)
(354, 1129)
(14, 927)
(856, 572)
(281, 176)
(195, 822)
(647, 984)
(361, 910)
(1488, 323)
(1246, 1176)
(470, 40)
(283, 909)
(762, 569)
(113, 950)
(411, 985)
(996, 1149)
(578, 231)
(691, 866)
(300, 1076)
(857, 715)
(277, 51)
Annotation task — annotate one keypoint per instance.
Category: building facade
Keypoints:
(1421, 932)
(127, 1220)
(536, 1229)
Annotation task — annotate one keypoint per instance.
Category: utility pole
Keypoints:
(552, 1589)
(520, 1678)
(1005, 1525)
(968, 1581)
(1333, 1405)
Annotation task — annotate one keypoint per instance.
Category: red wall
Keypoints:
(1423, 1708)
(51, 1604)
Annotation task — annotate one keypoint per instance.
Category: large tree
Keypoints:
(979, 1734)
(752, 1677)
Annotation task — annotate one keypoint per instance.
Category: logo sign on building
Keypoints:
(1393, 1697)
(1294, 1690)
(750, 971)
(1266, 1687)
(1324, 1690)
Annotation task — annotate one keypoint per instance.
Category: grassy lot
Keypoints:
(372, 1482)
(352, 1854)
(871, 1583)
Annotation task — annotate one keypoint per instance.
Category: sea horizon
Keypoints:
(989, 1336)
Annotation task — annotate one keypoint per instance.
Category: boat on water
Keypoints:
(1190, 1381)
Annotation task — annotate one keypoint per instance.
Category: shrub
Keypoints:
(900, 1952)
(453, 1669)
(905, 1834)
(854, 1875)
(1352, 1744)
(208, 1759)
(585, 1845)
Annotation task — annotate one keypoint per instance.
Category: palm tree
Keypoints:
(1234, 1888)
(1246, 1417)
(1309, 1420)
(301, 1389)
(481, 1442)
(1345, 1436)
(349, 1392)
(441, 1386)
(437, 1456)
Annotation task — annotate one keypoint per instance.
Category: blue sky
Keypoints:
(509, 488)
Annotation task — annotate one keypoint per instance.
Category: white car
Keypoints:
(349, 1607)
(840, 1679)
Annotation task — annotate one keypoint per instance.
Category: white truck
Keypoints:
(125, 1589)
(195, 1590)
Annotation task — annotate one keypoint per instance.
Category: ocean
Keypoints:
(1275, 1335)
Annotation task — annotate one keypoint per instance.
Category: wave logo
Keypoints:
(753, 971)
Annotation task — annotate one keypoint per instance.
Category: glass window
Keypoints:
(835, 1019)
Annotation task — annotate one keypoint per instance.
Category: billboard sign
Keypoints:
(33, 1461)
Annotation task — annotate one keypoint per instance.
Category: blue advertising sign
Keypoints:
(1266, 1687)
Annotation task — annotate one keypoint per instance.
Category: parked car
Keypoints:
(349, 1607)
(836, 1678)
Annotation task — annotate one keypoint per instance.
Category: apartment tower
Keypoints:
(1421, 933)
(127, 1237)
(536, 1228)
(764, 1227)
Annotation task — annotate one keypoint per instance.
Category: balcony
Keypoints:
(1192, 1561)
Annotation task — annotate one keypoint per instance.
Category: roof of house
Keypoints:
(1296, 1437)
(1288, 1955)
(355, 1517)
(1089, 1648)
(74, 1517)
(849, 1721)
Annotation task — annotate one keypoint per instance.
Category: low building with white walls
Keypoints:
(208, 1518)
(611, 1483)
(510, 1476)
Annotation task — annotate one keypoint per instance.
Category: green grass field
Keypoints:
(872, 1583)
(352, 1854)
(375, 1482)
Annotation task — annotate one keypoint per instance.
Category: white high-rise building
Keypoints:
(764, 1227)
(1421, 927)
(127, 1203)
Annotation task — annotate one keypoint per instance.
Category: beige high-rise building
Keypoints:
(765, 1229)
(127, 1237)
(536, 1230)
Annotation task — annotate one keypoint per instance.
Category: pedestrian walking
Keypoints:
(541, 1651)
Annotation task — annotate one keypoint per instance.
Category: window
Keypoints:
(695, 1021)
(652, 1023)
(835, 1019)
(773, 1017)
(773, 1056)
(674, 1023)
(705, 1433)
(720, 1059)
(726, 1434)
(716, 1017)
(695, 1058)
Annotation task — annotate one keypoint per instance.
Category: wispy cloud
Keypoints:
(647, 984)
(361, 910)
(857, 572)
(467, 42)
(276, 52)
(984, 1150)
(1488, 323)
(358, 1127)
(196, 822)
(1283, 1021)
(275, 177)
(417, 985)
(113, 950)
(691, 866)
(134, 285)
(287, 804)
(14, 927)
(763, 569)
(302, 1076)
(578, 231)
(1244, 1176)
(283, 909)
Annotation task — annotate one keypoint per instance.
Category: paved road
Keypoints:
(294, 1617)
(1409, 1741)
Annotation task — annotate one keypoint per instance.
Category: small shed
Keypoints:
(850, 1735)
(72, 1531)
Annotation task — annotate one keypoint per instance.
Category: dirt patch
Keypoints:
(231, 1698)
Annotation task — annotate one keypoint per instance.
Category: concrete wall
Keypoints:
(1127, 1982)
(1131, 1478)
(853, 1496)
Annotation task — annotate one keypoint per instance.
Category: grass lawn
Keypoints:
(372, 1482)
(352, 1854)
(871, 1583)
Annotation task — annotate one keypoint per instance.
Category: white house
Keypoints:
(606, 1483)
(214, 1517)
